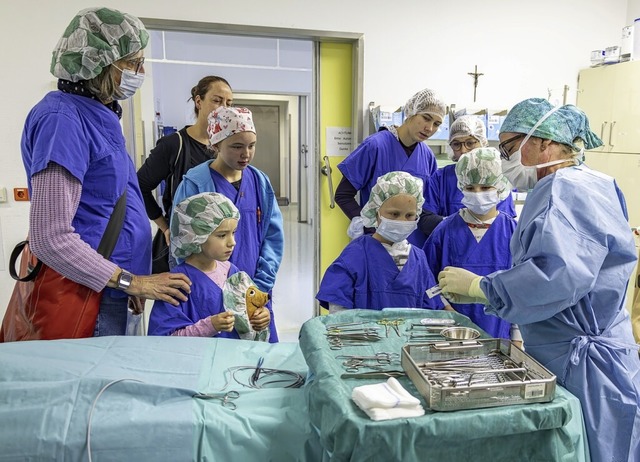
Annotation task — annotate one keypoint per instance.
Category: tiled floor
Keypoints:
(293, 294)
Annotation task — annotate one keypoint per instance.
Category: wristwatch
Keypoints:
(124, 280)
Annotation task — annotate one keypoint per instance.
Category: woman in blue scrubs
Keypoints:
(573, 254)
(382, 270)
(260, 234)
(78, 167)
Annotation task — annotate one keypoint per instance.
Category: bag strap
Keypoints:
(112, 231)
(172, 178)
(105, 248)
(31, 275)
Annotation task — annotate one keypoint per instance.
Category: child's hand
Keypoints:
(223, 322)
(260, 319)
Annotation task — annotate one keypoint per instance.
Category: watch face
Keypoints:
(124, 279)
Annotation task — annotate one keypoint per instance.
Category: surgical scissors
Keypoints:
(391, 322)
(226, 399)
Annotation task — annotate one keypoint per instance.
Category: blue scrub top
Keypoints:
(365, 276)
(382, 153)
(453, 244)
(85, 137)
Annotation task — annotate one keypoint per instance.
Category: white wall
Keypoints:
(523, 49)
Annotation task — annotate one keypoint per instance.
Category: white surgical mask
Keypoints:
(396, 230)
(480, 202)
(130, 82)
(525, 177)
(521, 177)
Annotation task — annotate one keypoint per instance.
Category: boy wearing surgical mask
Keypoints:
(382, 269)
(477, 236)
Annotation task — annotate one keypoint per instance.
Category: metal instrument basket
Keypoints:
(472, 374)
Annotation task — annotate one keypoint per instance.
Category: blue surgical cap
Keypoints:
(565, 125)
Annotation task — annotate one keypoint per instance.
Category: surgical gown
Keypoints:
(573, 253)
(442, 196)
(366, 276)
(453, 244)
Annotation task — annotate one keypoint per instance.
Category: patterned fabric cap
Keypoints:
(195, 218)
(227, 121)
(468, 125)
(564, 126)
(425, 102)
(482, 166)
(96, 38)
(387, 186)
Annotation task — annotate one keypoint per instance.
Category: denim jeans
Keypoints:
(112, 317)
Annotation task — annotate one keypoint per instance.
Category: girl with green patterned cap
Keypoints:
(382, 269)
(203, 235)
(78, 168)
(477, 236)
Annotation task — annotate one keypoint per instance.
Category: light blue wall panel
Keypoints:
(172, 85)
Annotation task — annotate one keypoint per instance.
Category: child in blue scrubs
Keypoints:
(203, 231)
(260, 234)
(441, 194)
(477, 236)
(382, 270)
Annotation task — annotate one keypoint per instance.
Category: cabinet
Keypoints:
(610, 96)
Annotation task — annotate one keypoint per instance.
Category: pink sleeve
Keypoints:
(54, 202)
(202, 328)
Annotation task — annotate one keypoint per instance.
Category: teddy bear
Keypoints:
(243, 298)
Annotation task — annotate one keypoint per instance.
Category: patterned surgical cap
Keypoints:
(96, 38)
(195, 218)
(482, 166)
(227, 121)
(425, 102)
(563, 126)
(468, 125)
(387, 186)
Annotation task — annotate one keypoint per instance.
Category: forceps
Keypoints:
(226, 399)
(354, 365)
(381, 357)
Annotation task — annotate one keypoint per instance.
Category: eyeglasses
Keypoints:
(469, 144)
(502, 147)
(136, 63)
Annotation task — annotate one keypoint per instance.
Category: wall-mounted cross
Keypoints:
(475, 75)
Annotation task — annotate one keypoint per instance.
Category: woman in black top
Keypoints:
(174, 154)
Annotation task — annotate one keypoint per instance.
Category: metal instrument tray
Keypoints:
(472, 374)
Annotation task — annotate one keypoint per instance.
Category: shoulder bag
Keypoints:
(44, 304)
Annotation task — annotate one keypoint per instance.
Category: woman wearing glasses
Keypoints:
(442, 196)
(573, 253)
(173, 155)
(78, 168)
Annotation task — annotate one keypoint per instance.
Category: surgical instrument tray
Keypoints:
(471, 374)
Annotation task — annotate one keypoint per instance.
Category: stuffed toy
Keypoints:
(243, 298)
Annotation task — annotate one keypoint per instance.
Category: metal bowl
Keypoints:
(459, 333)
